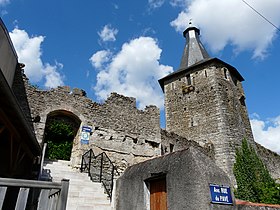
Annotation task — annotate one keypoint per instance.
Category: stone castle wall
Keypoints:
(271, 160)
(171, 142)
(128, 135)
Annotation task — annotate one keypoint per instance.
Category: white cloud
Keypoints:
(232, 22)
(108, 33)
(178, 3)
(134, 72)
(52, 76)
(156, 3)
(267, 132)
(4, 2)
(29, 52)
(99, 58)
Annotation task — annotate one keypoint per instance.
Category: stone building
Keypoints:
(179, 180)
(204, 104)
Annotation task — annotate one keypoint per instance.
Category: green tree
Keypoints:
(254, 182)
(59, 137)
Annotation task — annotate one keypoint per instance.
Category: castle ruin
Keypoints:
(204, 104)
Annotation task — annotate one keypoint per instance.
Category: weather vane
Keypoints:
(190, 22)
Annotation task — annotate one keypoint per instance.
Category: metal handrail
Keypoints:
(90, 163)
(52, 195)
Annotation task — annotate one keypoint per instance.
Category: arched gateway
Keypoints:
(61, 128)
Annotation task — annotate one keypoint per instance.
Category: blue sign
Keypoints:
(85, 134)
(220, 194)
(86, 129)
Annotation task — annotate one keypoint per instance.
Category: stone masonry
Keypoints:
(205, 108)
(126, 134)
(205, 102)
(212, 111)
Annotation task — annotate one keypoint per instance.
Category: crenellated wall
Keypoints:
(128, 135)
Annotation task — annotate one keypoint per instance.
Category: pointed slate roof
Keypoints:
(194, 51)
(195, 57)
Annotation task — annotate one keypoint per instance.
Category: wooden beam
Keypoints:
(2, 128)
(16, 136)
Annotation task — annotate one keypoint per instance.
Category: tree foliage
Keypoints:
(59, 137)
(254, 182)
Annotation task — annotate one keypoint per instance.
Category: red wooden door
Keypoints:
(158, 196)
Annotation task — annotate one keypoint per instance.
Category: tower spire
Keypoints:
(194, 51)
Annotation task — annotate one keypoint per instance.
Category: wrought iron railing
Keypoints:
(100, 169)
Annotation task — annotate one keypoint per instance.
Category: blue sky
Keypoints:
(126, 46)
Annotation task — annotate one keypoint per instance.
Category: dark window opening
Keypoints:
(171, 147)
(153, 144)
(189, 82)
(242, 100)
(205, 73)
(225, 73)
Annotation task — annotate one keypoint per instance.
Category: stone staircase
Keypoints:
(83, 194)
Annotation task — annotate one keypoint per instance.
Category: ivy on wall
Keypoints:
(59, 137)
(254, 182)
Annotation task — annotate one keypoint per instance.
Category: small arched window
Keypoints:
(242, 100)
(189, 81)
(225, 72)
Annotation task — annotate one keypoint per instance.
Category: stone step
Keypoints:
(63, 162)
(76, 188)
(84, 200)
(87, 194)
(83, 193)
(90, 207)
(74, 177)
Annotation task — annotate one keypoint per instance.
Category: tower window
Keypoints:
(242, 100)
(205, 73)
(189, 81)
(171, 147)
(225, 73)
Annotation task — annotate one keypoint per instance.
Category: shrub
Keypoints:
(254, 182)
(59, 138)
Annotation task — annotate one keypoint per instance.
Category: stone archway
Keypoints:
(60, 130)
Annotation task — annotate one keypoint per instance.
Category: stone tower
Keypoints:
(205, 102)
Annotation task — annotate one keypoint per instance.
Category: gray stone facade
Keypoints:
(207, 104)
(271, 160)
(187, 173)
(128, 135)
(204, 106)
